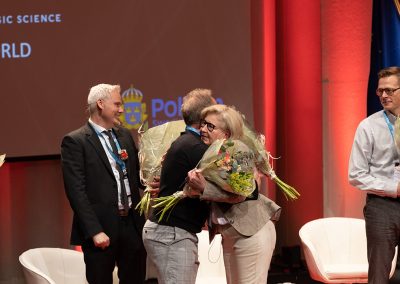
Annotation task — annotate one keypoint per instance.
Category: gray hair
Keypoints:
(193, 103)
(231, 119)
(100, 92)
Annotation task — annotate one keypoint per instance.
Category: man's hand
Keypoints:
(101, 240)
(154, 187)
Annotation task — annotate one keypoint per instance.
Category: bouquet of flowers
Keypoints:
(229, 164)
(153, 144)
(262, 160)
(2, 157)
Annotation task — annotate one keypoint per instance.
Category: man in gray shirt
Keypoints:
(374, 168)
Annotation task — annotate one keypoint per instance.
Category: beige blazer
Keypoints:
(246, 216)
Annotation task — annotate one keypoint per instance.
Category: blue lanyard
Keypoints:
(117, 159)
(190, 128)
(391, 129)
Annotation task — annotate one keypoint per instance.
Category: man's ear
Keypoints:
(100, 104)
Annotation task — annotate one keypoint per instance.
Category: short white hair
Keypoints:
(99, 92)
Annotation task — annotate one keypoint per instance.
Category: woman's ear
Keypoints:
(227, 134)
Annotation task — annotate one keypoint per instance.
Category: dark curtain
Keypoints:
(385, 46)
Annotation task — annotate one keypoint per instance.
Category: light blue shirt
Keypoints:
(113, 164)
(373, 156)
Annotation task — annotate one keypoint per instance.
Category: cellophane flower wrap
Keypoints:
(256, 142)
(229, 164)
(2, 158)
(153, 144)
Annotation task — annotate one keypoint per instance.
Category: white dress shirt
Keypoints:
(374, 156)
(112, 161)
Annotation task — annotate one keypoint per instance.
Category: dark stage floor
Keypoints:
(301, 276)
(290, 269)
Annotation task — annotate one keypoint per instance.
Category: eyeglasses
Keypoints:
(209, 125)
(388, 91)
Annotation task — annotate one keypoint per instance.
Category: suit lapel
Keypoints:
(94, 140)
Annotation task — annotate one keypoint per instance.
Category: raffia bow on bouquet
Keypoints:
(229, 164)
(153, 144)
(262, 160)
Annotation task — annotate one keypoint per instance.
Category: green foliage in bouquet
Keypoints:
(167, 203)
(240, 180)
(144, 204)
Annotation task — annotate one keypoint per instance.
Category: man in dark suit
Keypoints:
(101, 177)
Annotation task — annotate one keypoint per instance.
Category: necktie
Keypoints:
(123, 194)
(112, 142)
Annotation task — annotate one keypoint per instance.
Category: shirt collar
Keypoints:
(98, 128)
(391, 116)
(194, 130)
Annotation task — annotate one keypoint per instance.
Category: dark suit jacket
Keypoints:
(90, 184)
(185, 152)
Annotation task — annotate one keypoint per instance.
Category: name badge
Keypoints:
(127, 187)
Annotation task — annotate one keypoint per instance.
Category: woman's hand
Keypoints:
(196, 181)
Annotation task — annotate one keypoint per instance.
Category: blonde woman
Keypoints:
(247, 227)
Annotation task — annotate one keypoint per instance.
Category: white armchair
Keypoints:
(53, 266)
(335, 250)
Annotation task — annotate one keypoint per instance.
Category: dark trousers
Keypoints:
(127, 252)
(382, 219)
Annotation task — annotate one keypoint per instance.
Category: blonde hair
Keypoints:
(231, 119)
